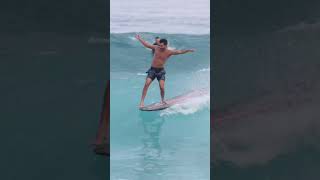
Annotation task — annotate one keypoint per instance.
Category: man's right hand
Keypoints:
(144, 43)
(138, 36)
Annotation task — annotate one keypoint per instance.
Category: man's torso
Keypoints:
(160, 57)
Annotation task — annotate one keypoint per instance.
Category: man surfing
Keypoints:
(161, 55)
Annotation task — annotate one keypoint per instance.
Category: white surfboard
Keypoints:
(175, 100)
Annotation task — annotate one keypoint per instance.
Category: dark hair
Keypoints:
(155, 43)
(164, 41)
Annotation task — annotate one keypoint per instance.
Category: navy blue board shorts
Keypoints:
(158, 73)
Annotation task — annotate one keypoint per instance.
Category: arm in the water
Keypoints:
(176, 52)
(145, 43)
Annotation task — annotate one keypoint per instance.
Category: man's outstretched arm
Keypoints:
(176, 52)
(145, 43)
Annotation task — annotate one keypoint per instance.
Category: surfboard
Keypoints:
(155, 107)
(175, 100)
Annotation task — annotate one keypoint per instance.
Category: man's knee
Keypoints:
(147, 84)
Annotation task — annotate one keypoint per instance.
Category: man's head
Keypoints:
(157, 39)
(163, 43)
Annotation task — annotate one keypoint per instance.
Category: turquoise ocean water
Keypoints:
(169, 144)
(173, 143)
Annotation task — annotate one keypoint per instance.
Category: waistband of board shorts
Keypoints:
(157, 69)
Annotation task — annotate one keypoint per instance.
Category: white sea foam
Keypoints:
(141, 74)
(204, 70)
(132, 38)
(189, 105)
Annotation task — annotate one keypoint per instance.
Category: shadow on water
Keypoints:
(151, 152)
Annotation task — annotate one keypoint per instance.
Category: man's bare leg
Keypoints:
(161, 85)
(144, 92)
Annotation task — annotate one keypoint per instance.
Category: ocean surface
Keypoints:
(173, 143)
(168, 144)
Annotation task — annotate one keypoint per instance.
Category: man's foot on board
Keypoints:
(164, 102)
(141, 105)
